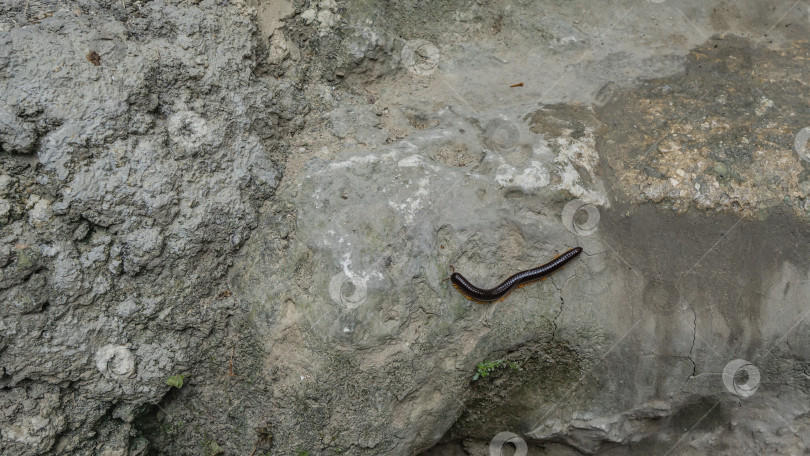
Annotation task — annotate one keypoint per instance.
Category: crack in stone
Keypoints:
(694, 338)
(556, 317)
(562, 303)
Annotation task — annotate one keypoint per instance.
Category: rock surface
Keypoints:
(135, 154)
(259, 202)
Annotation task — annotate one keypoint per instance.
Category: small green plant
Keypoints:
(176, 380)
(302, 453)
(212, 448)
(488, 367)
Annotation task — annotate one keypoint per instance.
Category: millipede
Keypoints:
(499, 292)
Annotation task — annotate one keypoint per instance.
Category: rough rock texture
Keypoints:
(722, 137)
(361, 303)
(266, 198)
(135, 151)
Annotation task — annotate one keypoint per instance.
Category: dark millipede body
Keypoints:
(521, 278)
